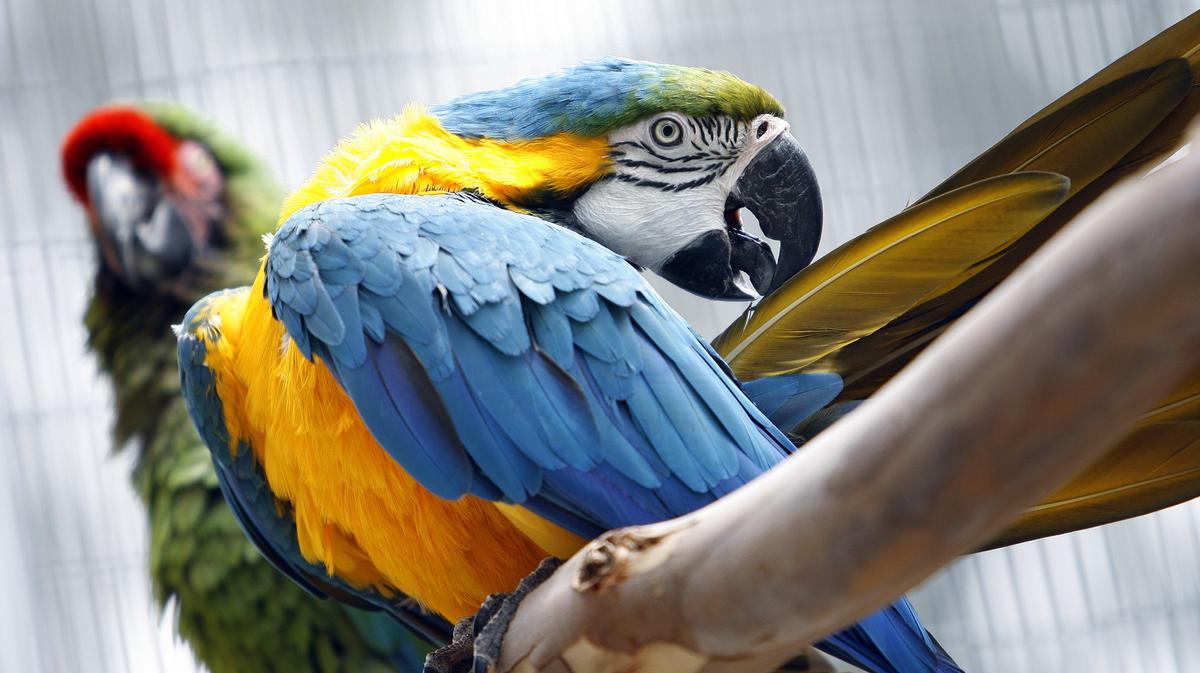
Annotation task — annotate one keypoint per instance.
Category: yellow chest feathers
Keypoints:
(356, 510)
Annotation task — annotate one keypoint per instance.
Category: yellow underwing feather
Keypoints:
(1085, 138)
(556, 541)
(1103, 136)
(1155, 466)
(876, 277)
(1119, 124)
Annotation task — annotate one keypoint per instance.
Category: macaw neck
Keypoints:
(413, 154)
(131, 339)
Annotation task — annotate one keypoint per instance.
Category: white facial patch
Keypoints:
(648, 226)
(672, 175)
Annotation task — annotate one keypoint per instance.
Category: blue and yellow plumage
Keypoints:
(637, 420)
(440, 375)
(439, 392)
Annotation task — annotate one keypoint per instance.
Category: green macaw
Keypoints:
(177, 209)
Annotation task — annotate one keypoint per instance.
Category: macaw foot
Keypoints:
(477, 639)
(458, 655)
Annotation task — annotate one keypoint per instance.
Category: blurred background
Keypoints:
(887, 96)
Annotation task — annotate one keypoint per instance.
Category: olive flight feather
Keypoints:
(1119, 124)
(872, 279)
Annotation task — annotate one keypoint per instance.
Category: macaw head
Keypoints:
(154, 201)
(683, 150)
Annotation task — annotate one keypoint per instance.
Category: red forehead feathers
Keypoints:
(122, 130)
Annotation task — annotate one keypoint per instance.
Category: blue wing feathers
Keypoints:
(559, 379)
(623, 446)
(270, 529)
(689, 421)
(891, 641)
(789, 400)
(372, 320)
(451, 275)
(393, 395)
(565, 412)
(538, 291)
(653, 422)
(513, 414)
(552, 334)
(580, 305)
(506, 385)
(490, 449)
(502, 324)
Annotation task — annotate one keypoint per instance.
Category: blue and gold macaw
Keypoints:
(436, 381)
(447, 367)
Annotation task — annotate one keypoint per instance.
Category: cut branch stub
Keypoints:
(616, 555)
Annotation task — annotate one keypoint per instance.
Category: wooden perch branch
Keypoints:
(1023, 392)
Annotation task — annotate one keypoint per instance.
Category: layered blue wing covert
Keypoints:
(496, 354)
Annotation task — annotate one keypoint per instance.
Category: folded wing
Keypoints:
(494, 354)
(264, 520)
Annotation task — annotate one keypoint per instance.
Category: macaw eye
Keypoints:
(197, 159)
(667, 132)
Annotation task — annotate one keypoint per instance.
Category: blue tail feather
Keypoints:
(890, 641)
(790, 399)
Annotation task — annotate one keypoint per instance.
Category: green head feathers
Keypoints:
(596, 97)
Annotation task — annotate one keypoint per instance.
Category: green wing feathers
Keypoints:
(237, 612)
(865, 313)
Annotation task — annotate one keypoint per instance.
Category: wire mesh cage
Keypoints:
(887, 97)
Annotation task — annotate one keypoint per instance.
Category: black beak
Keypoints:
(709, 265)
(780, 188)
(143, 237)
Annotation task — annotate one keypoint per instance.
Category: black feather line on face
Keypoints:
(550, 205)
(666, 186)
(660, 157)
(716, 151)
(634, 163)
